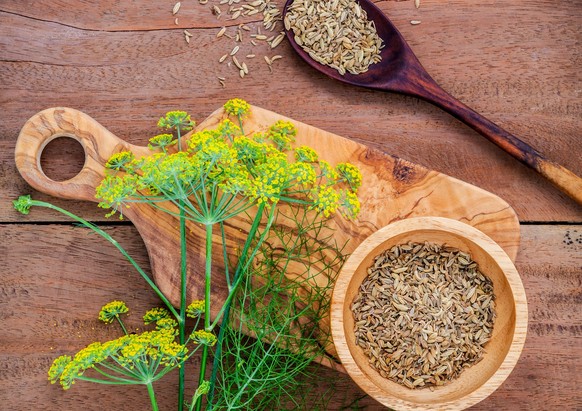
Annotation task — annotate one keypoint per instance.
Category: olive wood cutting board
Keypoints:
(392, 189)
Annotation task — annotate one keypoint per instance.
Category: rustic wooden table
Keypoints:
(126, 63)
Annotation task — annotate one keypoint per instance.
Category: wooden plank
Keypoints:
(551, 269)
(111, 16)
(50, 300)
(522, 75)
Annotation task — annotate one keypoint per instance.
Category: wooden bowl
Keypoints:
(501, 352)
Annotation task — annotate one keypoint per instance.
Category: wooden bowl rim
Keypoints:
(438, 224)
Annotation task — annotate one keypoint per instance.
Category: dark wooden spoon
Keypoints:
(401, 72)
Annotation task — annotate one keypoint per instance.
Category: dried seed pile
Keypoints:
(241, 35)
(270, 16)
(423, 314)
(335, 33)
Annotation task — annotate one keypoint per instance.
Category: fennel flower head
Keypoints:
(175, 120)
(222, 172)
(195, 309)
(23, 204)
(111, 310)
(131, 359)
(127, 356)
(237, 107)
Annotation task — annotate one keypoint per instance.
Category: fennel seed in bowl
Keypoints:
(335, 33)
(423, 314)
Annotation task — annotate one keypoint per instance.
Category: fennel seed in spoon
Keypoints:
(335, 33)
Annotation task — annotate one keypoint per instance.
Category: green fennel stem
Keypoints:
(152, 396)
(183, 281)
(207, 277)
(105, 382)
(240, 123)
(203, 360)
(217, 355)
(240, 269)
(246, 260)
(225, 254)
(121, 324)
(116, 244)
(207, 283)
(183, 305)
(114, 378)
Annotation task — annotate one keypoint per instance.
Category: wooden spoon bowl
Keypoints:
(501, 352)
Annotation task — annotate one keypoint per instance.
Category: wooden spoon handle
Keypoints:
(563, 178)
(97, 142)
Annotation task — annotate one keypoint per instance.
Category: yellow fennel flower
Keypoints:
(167, 323)
(161, 141)
(328, 172)
(176, 120)
(58, 367)
(302, 173)
(228, 129)
(115, 191)
(325, 200)
(351, 174)
(155, 314)
(282, 134)
(195, 309)
(237, 107)
(119, 160)
(306, 154)
(203, 337)
(111, 310)
(270, 180)
(350, 206)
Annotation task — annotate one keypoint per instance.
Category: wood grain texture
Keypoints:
(502, 352)
(51, 309)
(125, 64)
